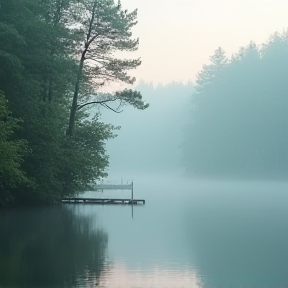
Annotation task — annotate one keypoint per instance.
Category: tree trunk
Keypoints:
(70, 130)
(73, 109)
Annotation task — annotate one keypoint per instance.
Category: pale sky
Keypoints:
(178, 36)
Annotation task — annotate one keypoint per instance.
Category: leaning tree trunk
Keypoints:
(73, 109)
(89, 40)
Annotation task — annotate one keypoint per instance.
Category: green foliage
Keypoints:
(84, 158)
(133, 98)
(38, 49)
(240, 116)
(105, 28)
(11, 155)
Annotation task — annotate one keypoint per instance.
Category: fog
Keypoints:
(150, 141)
(231, 125)
(208, 159)
(230, 233)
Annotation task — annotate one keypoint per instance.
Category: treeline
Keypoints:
(54, 56)
(239, 120)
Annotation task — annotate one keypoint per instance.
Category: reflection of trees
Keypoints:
(48, 247)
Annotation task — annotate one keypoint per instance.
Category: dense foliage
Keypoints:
(11, 154)
(41, 43)
(240, 113)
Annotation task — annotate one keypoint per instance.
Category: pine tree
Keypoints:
(106, 30)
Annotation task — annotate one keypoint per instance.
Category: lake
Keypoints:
(188, 234)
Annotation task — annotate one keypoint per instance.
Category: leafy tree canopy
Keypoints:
(54, 58)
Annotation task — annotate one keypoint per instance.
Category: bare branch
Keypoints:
(119, 104)
(108, 107)
(96, 102)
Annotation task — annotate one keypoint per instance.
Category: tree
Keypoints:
(39, 47)
(36, 74)
(11, 154)
(29, 66)
(208, 74)
(198, 149)
(239, 121)
(84, 158)
(106, 30)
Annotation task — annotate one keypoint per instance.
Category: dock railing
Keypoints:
(102, 187)
(97, 187)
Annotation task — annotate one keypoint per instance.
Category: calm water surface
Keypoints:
(189, 234)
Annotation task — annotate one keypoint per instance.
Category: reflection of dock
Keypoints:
(103, 201)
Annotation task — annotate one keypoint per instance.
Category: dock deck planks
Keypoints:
(82, 200)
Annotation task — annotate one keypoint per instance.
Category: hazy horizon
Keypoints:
(178, 37)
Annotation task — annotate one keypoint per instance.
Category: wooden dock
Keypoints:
(101, 187)
(75, 200)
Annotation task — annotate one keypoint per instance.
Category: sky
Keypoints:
(178, 37)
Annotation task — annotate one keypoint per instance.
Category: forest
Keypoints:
(59, 58)
(238, 120)
(56, 60)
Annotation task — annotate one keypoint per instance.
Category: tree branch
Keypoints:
(108, 107)
(97, 102)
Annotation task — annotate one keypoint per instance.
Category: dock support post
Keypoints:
(132, 190)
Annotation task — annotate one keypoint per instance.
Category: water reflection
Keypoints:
(48, 247)
(239, 236)
(119, 276)
(227, 235)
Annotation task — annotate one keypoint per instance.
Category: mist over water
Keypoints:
(188, 234)
(208, 160)
(230, 234)
(229, 230)
(226, 234)
(197, 232)
(192, 232)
